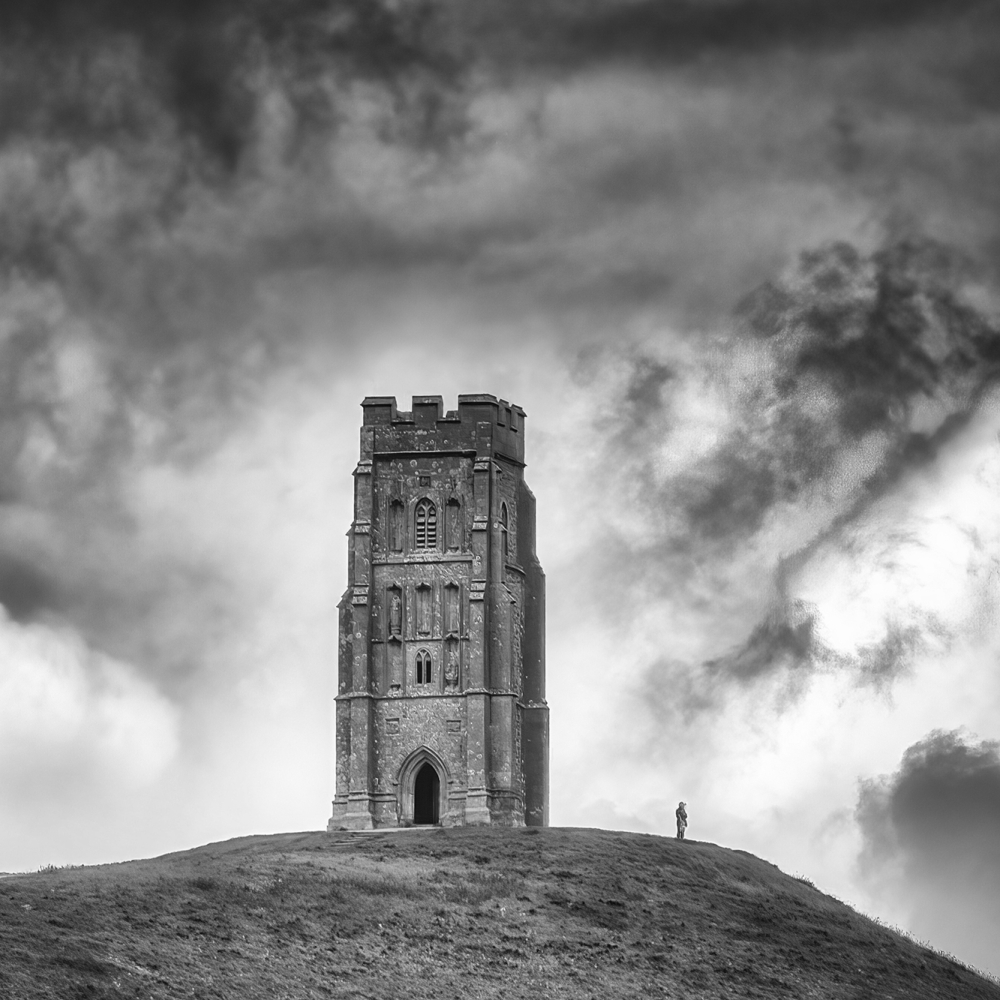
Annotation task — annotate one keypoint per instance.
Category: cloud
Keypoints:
(834, 387)
(658, 33)
(931, 839)
(75, 719)
(605, 815)
(855, 349)
(25, 590)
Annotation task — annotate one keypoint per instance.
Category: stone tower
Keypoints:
(441, 714)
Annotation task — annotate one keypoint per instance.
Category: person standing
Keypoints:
(682, 819)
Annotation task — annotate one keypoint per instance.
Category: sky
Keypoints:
(739, 261)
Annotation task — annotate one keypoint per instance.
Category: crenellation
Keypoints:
(427, 428)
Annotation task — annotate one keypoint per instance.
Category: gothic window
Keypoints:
(425, 523)
(423, 610)
(452, 621)
(395, 604)
(423, 667)
(453, 524)
(396, 526)
(503, 530)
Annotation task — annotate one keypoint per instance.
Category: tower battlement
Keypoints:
(441, 714)
(427, 427)
(472, 408)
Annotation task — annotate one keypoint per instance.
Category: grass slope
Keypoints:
(452, 913)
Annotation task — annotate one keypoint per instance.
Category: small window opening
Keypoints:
(423, 667)
(503, 530)
(425, 536)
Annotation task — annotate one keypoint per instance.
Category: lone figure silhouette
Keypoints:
(682, 820)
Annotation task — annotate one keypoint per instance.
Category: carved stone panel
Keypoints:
(452, 663)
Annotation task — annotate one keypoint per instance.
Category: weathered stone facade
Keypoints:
(441, 713)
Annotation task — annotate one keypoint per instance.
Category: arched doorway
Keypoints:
(426, 796)
(422, 786)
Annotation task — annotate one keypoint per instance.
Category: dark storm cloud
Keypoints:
(787, 643)
(842, 379)
(384, 35)
(201, 61)
(785, 639)
(643, 401)
(931, 838)
(25, 591)
(788, 639)
(133, 246)
(859, 343)
(180, 89)
(850, 346)
(572, 34)
(165, 163)
(660, 32)
(62, 78)
(198, 57)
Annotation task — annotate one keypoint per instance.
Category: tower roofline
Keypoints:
(472, 408)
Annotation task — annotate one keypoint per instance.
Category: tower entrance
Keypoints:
(426, 796)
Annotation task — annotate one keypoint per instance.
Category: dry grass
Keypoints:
(452, 913)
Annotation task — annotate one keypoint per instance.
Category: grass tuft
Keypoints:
(479, 887)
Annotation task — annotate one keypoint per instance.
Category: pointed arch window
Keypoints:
(503, 530)
(425, 524)
(423, 667)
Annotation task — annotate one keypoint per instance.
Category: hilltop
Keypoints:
(452, 913)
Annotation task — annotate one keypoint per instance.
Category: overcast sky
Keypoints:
(739, 260)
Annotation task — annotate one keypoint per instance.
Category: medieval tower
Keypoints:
(441, 713)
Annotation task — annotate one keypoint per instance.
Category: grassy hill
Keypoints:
(452, 913)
